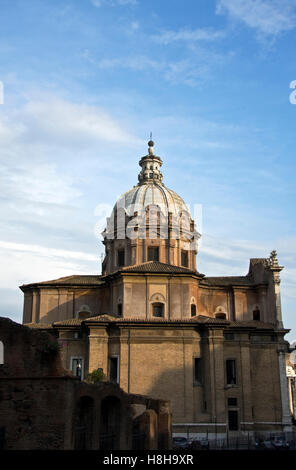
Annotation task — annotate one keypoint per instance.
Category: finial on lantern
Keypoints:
(151, 145)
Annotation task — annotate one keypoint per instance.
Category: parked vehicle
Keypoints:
(276, 442)
(195, 445)
(180, 442)
(198, 444)
(204, 443)
(280, 443)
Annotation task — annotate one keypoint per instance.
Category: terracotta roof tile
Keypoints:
(198, 319)
(39, 326)
(69, 321)
(157, 267)
(228, 281)
(252, 324)
(75, 280)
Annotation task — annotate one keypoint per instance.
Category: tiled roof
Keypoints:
(39, 326)
(70, 321)
(228, 281)
(157, 267)
(252, 324)
(206, 319)
(102, 318)
(75, 280)
(198, 319)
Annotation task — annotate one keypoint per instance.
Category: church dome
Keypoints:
(150, 222)
(150, 190)
(143, 195)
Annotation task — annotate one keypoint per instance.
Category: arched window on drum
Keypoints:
(193, 310)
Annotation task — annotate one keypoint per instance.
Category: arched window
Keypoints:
(83, 315)
(157, 309)
(119, 309)
(1, 353)
(221, 316)
(256, 314)
(84, 312)
(120, 257)
(220, 313)
(193, 310)
(184, 258)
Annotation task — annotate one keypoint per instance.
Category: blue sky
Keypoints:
(85, 81)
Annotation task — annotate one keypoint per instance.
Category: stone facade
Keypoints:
(213, 346)
(43, 406)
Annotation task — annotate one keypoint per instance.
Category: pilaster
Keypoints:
(246, 381)
(216, 356)
(98, 349)
(286, 418)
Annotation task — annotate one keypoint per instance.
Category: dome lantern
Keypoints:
(150, 165)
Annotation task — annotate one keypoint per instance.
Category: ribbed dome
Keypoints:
(140, 197)
(137, 233)
(150, 190)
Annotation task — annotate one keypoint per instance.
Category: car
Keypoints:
(180, 442)
(199, 444)
(194, 445)
(279, 443)
(264, 444)
(204, 443)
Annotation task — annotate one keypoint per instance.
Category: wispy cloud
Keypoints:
(64, 121)
(229, 257)
(41, 182)
(183, 71)
(46, 252)
(48, 150)
(190, 71)
(266, 17)
(31, 264)
(99, 3)
(186, 72)
(135, 63)
(188, 35)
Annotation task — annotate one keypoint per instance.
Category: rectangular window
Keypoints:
(184, 258)
(230, 372)
(232, 401)
(197, 370)
(77, 367)
(120, 258)
(229, 336)
(153, 253)
(233, 420)
(157, 310)
(256, 314)
(114, 369)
